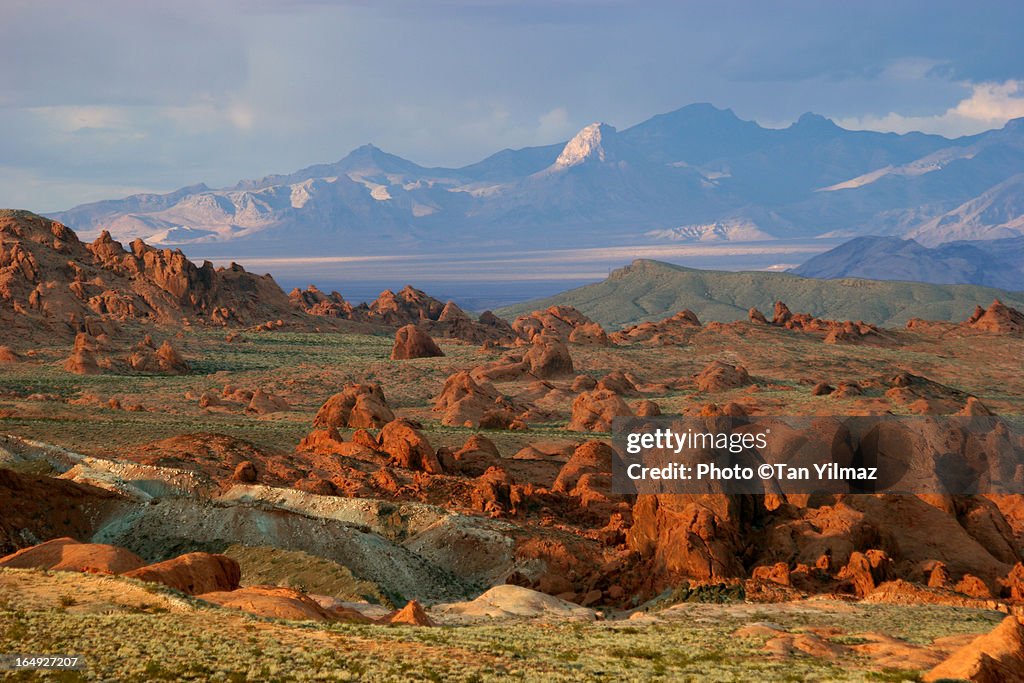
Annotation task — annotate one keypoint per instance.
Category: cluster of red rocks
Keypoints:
(564, 323)
(255, 401)
(676, 329)
(409, 306)
(52, 282)
(93, 355)
(835, 331)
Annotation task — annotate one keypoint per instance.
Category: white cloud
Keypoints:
(988, 106)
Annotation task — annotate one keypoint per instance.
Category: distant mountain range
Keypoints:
(651, 290)
(992, 263)
(699, 173)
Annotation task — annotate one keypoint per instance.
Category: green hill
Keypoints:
(650, 290)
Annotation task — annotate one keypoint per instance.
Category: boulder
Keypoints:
(492, 492)
(719, 376)
(647, 408)
(463, 400)
(590, 334)
(408, 447)
(593, 411)
(82, 360)
(548, 357)
(412, 342)
(589, 457)
(757, 317)
(618, 382)
(357, 405)
(245, 472)
(264, 403)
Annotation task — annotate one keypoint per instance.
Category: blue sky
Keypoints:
(106, 98)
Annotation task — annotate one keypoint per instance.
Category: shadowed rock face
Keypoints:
(50, 281)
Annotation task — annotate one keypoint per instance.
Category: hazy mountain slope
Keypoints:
(996, 263)
(696, 172)
(997, 213)
(650, 290)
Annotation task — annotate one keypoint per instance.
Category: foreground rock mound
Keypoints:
(996, 657)
(508, 601)
(67, 554)
(271, 602)
(412, 342)
(194, 573)
(357, 405)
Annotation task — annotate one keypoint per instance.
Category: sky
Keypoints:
(103, 99)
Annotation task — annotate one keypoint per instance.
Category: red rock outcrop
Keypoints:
(998, 318)
(356, 405)
(51, 283)
(67, 554)
(676, 329)
(866, 571)
(548, 357)
(272, 602)
(681, 536)
(591, 457)
(193, 573)
(467, 402)
(412, 614)
(166, 360)
(492, 492)
(412, 342)
(835, 331)
(996, 657)
(593, 411)
(719, 376)
(264, 403)
(408, 447)
(559, 322)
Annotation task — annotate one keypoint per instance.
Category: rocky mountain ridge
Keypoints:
(660, 180)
